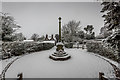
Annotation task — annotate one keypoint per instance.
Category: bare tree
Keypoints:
(70, 29)
(35, 37)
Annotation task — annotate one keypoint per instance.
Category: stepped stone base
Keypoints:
(60, 54)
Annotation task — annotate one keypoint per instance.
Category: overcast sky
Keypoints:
(42, 17)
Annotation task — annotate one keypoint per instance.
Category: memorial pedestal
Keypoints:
(60, 54)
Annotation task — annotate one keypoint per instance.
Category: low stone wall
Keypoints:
(99, 48)
(19, 48)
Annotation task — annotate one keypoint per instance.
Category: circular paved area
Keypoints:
(81, 65)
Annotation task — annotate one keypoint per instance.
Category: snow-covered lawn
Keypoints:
(81, 65)
(111, 61)
(0, 56)
(0, 66)
(7, 61)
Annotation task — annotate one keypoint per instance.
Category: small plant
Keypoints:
(69, 45)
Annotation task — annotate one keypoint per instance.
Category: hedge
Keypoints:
(69, 45)
(19, 48)
(99, 48)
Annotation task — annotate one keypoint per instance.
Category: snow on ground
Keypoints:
(0, 56)
(111, 61)
(48, 42)
(81, 65)
(39, 42)
(6, 61)
(0, 66)
(28, 40)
